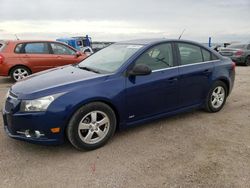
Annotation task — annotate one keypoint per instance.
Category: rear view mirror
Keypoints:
(78, 54)
(140, 70)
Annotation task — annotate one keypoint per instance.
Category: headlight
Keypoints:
(37, 105)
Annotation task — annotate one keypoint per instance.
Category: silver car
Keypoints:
(239, 53)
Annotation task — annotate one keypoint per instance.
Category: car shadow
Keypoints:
(6, 80)
(120, 136)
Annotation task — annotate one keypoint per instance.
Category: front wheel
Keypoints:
(216, 97)
(91, 126)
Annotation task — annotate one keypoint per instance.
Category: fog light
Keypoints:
(26, 133)
(38, 134)
(29, 134)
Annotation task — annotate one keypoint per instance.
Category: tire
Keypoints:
(216, 97)
(19, 72)
(247, 63)
(91, 126)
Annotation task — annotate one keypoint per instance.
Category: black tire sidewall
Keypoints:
(72, 129)
(209, 106)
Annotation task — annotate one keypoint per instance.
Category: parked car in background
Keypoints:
(239, 53)
(96, 46)
(18, 59)
(119, 86)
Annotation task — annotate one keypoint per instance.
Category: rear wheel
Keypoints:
(216, 97)
(20, 72)
(91, 126)
(247, 61)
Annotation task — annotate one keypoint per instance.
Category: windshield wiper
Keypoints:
(89, 69)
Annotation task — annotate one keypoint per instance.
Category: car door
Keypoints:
(157, 92)
(36, 56)
(63, 55)
(195, 73)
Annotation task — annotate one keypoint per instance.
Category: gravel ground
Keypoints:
(195, 149)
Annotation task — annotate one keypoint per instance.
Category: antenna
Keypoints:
(16, 37)
(182, 33)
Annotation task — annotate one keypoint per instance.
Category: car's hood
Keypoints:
(59, 77)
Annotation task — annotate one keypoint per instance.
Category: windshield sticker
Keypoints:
(134, 46)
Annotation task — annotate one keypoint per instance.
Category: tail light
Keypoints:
(239, 53)
(1, 59)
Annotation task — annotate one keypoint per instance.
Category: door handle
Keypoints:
(172, 80)
(207, 71)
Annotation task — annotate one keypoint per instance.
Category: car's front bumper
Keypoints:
(42, 141)
(17, 124)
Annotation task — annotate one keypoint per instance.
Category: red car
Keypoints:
(19, 59)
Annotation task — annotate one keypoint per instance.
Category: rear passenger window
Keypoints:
(189, 53)
(206, 55)
(36, 48)
(214, 57)
(248, 47)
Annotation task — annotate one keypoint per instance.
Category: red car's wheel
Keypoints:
(18, 73)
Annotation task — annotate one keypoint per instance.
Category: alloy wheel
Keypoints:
(218, 97)
(20, 73)
(93, 127)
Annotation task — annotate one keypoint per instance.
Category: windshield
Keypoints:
(109, 59)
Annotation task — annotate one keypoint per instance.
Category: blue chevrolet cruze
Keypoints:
(122, 85)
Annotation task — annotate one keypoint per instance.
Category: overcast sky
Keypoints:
(223, 20)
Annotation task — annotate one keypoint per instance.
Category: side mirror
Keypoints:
(87, 51)
(78, 54)
(140, 70)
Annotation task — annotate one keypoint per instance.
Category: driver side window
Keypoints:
(157, 57)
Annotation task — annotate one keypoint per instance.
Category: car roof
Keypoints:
(151, 41)
(25, 41)
(143, 41)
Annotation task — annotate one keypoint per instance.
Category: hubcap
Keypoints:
(20, 73)
(218, 97)
(93, 127)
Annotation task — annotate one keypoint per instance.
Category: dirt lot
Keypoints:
(195, 149)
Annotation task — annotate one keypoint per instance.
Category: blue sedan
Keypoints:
(127, 83)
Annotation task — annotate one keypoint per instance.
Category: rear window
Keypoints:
(18, 48)
(238, 46)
